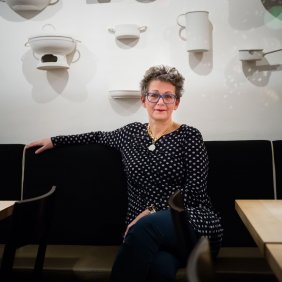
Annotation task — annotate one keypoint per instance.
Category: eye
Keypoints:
(168, 96)
(154, 95)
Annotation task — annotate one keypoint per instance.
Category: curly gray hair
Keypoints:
(163, 73)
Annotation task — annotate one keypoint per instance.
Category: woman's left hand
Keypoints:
(140, 215)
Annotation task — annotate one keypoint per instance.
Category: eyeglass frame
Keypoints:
(161, 96)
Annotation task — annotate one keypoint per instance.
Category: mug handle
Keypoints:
(177, 20)
(182, 27)
(53, 3)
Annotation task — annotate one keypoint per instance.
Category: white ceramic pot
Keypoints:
(127, 31)
(30, 5)
(251, 54)
(51, 50)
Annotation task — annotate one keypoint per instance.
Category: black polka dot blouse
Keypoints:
(179, 162)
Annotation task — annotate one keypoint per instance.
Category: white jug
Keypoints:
(197, 30)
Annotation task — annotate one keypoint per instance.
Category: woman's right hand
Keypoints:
(44, 144)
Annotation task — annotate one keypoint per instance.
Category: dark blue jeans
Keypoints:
(148, 252)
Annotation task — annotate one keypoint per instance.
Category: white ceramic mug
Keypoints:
(197, 30)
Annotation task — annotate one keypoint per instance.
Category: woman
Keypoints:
(159, 157)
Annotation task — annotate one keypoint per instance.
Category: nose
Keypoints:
(161, 100)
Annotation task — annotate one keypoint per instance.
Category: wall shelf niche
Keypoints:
(124, 94)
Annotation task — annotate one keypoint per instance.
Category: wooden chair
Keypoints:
(28, 224)
(200, 266)
(177, 210)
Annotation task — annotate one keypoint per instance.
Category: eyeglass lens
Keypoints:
(155, 97)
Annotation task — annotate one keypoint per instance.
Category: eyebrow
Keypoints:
(167, 92)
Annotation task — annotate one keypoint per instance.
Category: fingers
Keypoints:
(40, 150)
(44, 144)
(33, 144)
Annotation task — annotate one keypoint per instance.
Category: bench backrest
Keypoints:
(91, 196)
(277, 149)
(238, 170)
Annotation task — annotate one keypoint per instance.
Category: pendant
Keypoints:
(152, 147)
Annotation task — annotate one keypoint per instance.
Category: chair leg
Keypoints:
(8, 259)
(7, 263)
(39, 263)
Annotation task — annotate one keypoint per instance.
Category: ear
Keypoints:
(142, 98)
(177, 102)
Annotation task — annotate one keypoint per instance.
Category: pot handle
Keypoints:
(78, 57)
(142, 28)
(272, 52)
(53, 3)
(111, 29)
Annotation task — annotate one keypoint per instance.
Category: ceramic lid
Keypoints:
(37, 36)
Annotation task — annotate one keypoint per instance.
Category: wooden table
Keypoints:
(263, 219)
(273, 254)
(6, 208)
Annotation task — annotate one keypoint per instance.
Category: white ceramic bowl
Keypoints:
(55, 44)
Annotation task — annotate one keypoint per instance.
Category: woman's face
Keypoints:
(160, 111)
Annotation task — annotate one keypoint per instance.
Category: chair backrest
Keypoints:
(88, 176)
(29, 224)
(200, 266)
(176, 204)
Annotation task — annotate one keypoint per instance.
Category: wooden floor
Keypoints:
(90, 263)
(67, 277)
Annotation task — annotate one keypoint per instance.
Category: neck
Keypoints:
(157, 130)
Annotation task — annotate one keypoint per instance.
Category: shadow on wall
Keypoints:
(259, 72)
(67, 83)
(256, 72)
(201, 62)
(17, 16)
(245, 15)
(125, 107)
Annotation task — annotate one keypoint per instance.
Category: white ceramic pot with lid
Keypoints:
(52, 49)
(29, 5)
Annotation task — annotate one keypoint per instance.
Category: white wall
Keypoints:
(224, 98)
